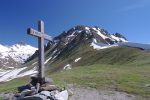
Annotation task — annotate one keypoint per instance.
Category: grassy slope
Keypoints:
(122, 78)
(111, 56)
(119, 68)
(11, 86)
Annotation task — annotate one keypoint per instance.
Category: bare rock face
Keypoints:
(95, 32)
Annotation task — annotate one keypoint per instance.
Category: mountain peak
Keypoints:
(100, 34)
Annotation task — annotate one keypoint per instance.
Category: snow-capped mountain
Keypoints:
(12, 56)
(66, 44)
(97, 37)
(99, 33)
(78, 46)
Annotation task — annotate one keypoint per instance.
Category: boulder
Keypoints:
(62, 95)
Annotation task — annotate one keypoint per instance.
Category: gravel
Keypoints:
(93, 94)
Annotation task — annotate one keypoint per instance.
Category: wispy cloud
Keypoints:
(137, 5)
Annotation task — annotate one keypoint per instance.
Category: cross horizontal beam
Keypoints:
(39, 34)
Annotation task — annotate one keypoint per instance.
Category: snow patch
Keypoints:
(76, 60)
(87, 28)
(118, 38)
(47, 60)
(67, 67)
(94, 28)
(55, 57)
(72, 35)
(115, 38)
(30, 72)
(99, 46)
(100, 34)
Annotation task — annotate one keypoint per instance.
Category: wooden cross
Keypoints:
(41, 36)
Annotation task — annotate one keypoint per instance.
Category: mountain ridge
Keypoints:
(96, 37)
(78, 45)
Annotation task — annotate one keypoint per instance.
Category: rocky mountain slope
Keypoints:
(13, 56)
(81, 46)
(94, 36)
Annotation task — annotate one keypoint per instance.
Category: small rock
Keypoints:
(147, 85)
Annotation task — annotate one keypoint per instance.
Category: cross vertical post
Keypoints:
(41, 69)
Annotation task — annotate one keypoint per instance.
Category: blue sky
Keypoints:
(129, 17)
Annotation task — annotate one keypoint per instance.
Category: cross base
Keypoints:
(41, 80)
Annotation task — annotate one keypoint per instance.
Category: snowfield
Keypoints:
(99, 46)
(67, 67)
(7, 75)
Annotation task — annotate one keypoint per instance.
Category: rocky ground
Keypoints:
(6, 96)
(80, 93)
(93, 94)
